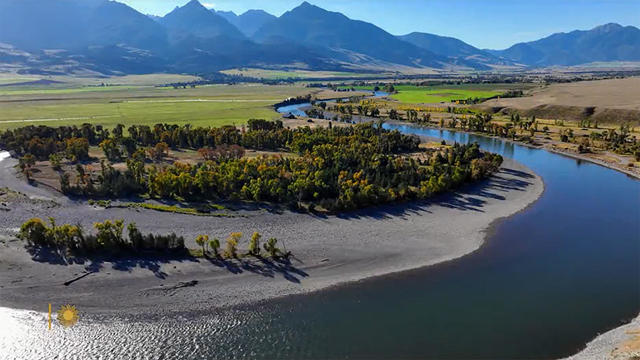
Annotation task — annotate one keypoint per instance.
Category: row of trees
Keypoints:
(109, 237)
(619, 141)
(212, 247)
(74, 240)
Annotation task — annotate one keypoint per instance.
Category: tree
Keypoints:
(159, 151)
(135, 237)
(111, 150)
(55, 160)
(254, 244)
(203, 240)
(110, 233)
(214, 245)
(271, 248)
(77, 149)
(26, 163)
(232, 245)
(33, 232)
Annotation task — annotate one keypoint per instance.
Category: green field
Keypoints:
(201, 106)
(412, 94)
(436, 94)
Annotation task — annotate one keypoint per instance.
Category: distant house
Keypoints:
(288, 116)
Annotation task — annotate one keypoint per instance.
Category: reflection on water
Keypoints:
(295, 109)
(548, 280)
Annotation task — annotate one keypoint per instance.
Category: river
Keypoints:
(548, 280)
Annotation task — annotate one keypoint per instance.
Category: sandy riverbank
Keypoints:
(621, 343)
(329, 250)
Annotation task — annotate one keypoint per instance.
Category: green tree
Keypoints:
(33, 232)
(214, 245)
(202, 241)
(271, 248)
(26, 163)
(55, 160)
(232, 245)
(254, 244)
(110, 233)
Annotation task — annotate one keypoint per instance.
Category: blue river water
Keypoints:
(548, 280)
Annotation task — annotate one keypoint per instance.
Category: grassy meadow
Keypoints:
(435, 94)
(214, 105)
(412, 94)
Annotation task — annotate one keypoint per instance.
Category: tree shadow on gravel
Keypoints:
(472, 197)
(154, 262)
(151, 262)
(262, 266)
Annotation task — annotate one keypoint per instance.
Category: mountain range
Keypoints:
(249, 22)
(609, 42)
(101, 36)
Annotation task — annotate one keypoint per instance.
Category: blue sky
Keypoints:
(492, 24)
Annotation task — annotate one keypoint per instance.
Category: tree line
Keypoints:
(109, 238)
(337, 168)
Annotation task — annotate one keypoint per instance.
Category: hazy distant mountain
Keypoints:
(101, 36)
(196, 20)
(313, 26)
(110, 37)
(452, 47)
(249, 22)
(33, 24)
(230, 16)
(97, 35)
(203, 40)
(610, 42)
(116, 23)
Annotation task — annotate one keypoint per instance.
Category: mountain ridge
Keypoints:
(248, 22)
(607, 42)
(310, 24)
(111, 37)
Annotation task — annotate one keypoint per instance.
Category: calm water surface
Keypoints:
(548, 280)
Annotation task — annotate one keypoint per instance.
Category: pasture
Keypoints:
(412, 94)
(214, 105)
(436, 94)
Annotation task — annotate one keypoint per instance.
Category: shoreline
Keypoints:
(540, 147)
(619, 343)
(331, 251)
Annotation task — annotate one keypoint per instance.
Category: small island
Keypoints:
(141, 211)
